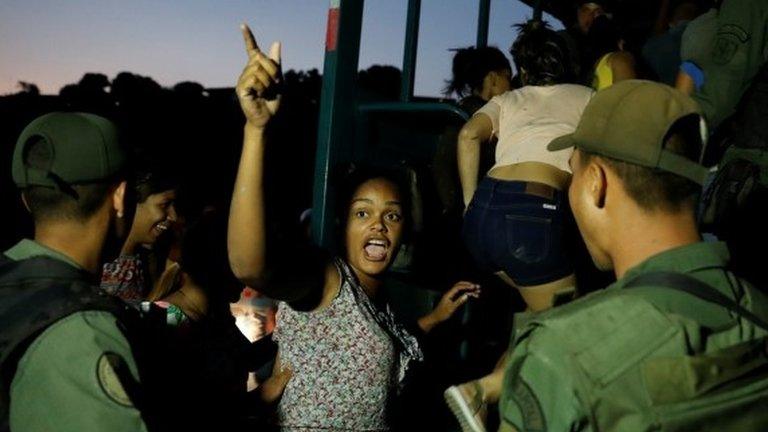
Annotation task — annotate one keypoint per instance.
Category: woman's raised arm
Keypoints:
(246, 233)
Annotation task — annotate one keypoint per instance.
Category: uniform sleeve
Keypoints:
(539, 391)
(493, 110)
(78, 375)
(739, 48)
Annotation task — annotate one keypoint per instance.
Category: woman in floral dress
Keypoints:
(342, 354)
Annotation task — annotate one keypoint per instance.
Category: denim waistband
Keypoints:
(497, 186)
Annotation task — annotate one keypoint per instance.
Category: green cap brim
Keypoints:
(562, 143)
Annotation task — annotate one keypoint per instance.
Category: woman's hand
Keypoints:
(257, 85)
(449, 303)
(273, 387)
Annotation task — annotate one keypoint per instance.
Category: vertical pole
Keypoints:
(537, 10)
(410, 50)
(483, 17)
(337, 109)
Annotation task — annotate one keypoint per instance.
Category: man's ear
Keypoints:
(118, 199)
(597, 183)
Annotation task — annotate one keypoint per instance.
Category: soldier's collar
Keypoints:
(28, 248)
(684, 259)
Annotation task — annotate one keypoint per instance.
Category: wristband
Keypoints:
(695, 72)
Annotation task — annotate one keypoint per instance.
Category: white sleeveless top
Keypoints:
(526, 120)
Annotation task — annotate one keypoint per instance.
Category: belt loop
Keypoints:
(491, 188)
(494, 185)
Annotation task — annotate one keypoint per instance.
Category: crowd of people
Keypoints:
(127, 309)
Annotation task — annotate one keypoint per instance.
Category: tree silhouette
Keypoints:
(90, 94)
(379, 82)
(189, 130)
(28, 88)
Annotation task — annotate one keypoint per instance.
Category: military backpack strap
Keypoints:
(696, 288)
(35, 293)
(5, 263)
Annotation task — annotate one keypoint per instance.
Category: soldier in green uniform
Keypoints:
(736, 52)
(642, 354)
(66, 364)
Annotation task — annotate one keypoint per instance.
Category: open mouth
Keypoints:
(376, 249)
(161, 227)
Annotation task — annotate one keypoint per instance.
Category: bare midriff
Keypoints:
(537, 172)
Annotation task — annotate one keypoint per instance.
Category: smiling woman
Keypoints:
(154, 195)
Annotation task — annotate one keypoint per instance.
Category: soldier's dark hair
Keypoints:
(48, 204)
(470, 67)
(541, 55)
(655, 189)
(70, 202)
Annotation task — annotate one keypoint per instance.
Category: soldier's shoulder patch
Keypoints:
(729, 39)
(530, 407)
(114, 378)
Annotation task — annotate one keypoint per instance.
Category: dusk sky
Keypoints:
(52, 43)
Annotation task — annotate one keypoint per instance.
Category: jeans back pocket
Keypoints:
(528, 237)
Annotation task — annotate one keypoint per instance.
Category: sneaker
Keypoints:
(467, 403)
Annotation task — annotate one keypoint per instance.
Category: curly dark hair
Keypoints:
(541, 55)
(470, 67)
(350, 178)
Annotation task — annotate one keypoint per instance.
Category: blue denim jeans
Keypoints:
(508, 228)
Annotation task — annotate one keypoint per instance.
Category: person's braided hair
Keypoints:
(541, 55)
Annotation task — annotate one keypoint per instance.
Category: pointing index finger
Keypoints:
(274, 52)
(251, 47)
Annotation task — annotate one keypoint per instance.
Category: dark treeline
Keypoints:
(191, 132)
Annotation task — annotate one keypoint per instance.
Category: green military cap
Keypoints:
(77, 148)
(629, 121)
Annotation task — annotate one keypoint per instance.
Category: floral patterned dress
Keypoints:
(124, 278)
(348, 359)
